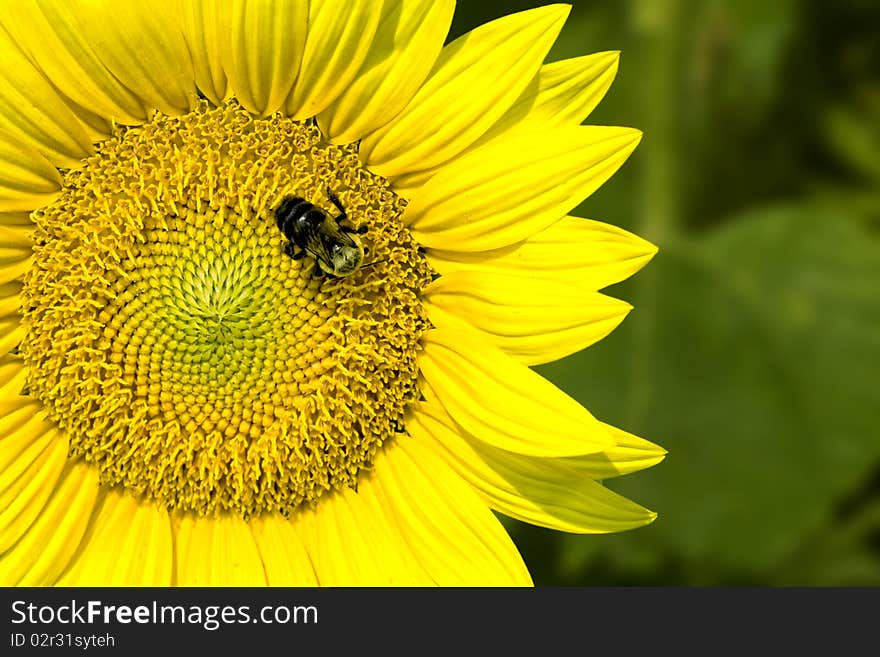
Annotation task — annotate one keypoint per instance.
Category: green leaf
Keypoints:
(753, 356)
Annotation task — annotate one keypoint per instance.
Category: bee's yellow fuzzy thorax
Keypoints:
(186, 356)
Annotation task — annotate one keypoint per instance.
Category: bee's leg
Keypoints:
(351, 229)
(335, 200)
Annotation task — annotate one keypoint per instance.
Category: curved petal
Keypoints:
(11, 330)
(476, 79)
(586, 253)
(32, 457)
(353, 541)
(42, 553)
(48, 32)
(563, 94)
(630, 454)
(217, 551)
(449, 528)
(512, 188)
(142, 45)
(16, 219)
(204, 30)
(128, 543)
(32, 111)
(408, 39)
(27, 179)
(503, 402)
(535, 320)
(283, 552)
(13, 376)
(11, 333)
(544, 492)
(265, 51)
(339, 37)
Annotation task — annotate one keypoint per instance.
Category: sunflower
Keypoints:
(192, 396)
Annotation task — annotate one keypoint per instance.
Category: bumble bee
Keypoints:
(337, 250)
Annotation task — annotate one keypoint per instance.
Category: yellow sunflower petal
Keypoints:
(32, 456)
(449, 528)
(16, 219)
(503, 402)
(566, 92)
(43, 552)
(284, 555)
(339, 37)
(207, 38)
(48, 32)
(128, 543)
(265, 51)
(142, 45)
(563, 94)
(586, 253)
(217, 551)
(545, 492)
(11, 333)
(535, 320)
(31, 478)
(630, 454)
(13, 264)
(354, 541)
(32, 111)
(476, 79)
(409, 38)
(27, 179)
(512, 188)
(10, 298)
(13, 376)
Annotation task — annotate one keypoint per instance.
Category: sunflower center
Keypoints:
(188, 357)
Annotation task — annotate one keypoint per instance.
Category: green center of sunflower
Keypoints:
(186, 355)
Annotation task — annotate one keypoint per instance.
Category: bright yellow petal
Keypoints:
(217, 551)
(545, 492)
(563, 94)
(476, 79)
(630, 454)
(45, 549)
(16, 219)
(512, 188)
(142, 45)
(353, 541)
(13, 376)
(535, 320)
(206, 32)
(128, 543)
(48, 32)
(11, 330)
(32, 111)
(586, 253)
(265, 50)
(449, 528)
(284, 555)
(503, 402)
(11, 333)
(408, 40)
(32, 456)
(27, 179)
(339, 37)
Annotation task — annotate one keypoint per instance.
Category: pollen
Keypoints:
(187, 357)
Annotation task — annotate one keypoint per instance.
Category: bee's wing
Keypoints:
(317, 245)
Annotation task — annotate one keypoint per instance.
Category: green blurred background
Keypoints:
(753, 352)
